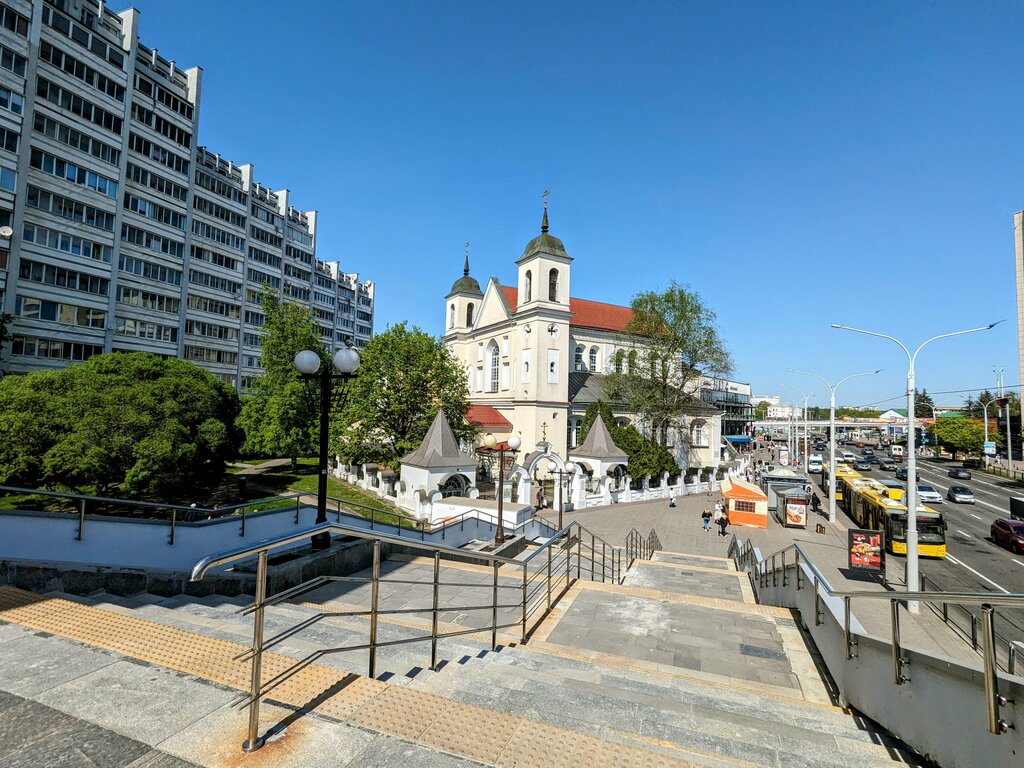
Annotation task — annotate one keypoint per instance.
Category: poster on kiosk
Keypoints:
(792, 507)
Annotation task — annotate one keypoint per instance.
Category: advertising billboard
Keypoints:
(866, 550)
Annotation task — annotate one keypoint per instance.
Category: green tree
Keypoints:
(5, 332)
(405, 376)
(959, 435)
(129, 424)
(281, 416)
(673, 340)
(761, 410)
(645, 457)
(923, 403)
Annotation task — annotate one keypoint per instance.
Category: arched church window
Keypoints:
(553, 285)
(528, 287)
(632, 361)
(494, 367)
(578, 359)
(469, 314)
(593, 359)
(619, 355)
(451, 317)
(526, 371)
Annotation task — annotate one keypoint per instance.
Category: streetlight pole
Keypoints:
(308, 364)
(512, 445)
(806, 398)
(832, 432)
(569, 471)
(913, 581)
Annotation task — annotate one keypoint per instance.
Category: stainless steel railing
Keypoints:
(546, 574)
(766, 572)
(639, 547)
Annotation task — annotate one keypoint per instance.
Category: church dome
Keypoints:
(544, 242)
(466, 284)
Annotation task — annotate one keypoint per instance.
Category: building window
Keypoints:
(619, 354)
(699, 434)
(469, 314)
(451, 317)
(578, 359)
(528, 291)
(493, 367)
(593, 359)
(553, 285)
(526, 372)
(744, 506)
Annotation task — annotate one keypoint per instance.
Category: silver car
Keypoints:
(960, 494)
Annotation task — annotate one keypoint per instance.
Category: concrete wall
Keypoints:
(941, 711)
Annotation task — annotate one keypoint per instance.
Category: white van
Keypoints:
(896, 451)
(814, 464)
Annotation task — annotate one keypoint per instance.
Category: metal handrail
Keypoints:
(765, 568)
(560, 549)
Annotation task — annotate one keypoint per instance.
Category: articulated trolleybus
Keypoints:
(878, 507)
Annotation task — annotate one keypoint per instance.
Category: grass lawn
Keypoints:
(303, 479)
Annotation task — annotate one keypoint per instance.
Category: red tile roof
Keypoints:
(585, 313)
(487, 416)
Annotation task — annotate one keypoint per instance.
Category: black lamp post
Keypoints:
(308, 363)
(569, 471)
(510, 446)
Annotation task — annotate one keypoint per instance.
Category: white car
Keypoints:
(814, 464)
(847, 456)
(928, 495)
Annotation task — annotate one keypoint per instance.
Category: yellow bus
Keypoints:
(873, 505)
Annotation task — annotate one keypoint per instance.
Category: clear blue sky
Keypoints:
(797, 164)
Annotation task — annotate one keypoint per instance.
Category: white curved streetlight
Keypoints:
(308, 364)
(913, 581)
(832, 432)
(569, 469)
(806, 397)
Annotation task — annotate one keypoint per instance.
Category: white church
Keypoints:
(535, 358)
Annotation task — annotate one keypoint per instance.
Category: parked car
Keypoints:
(972, 464)
(901, 474)
(928, 495)
(887, 465)
(862, 465)
(960, 494)
(1009, 534)
(959, 473)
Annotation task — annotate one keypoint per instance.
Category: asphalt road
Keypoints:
(974, 563)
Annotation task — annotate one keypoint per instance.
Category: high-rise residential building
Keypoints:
(124, 234)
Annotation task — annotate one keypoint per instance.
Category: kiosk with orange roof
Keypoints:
(746, 503)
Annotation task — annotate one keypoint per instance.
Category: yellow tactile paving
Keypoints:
(396, 711)
(697, 568)
(678, 597)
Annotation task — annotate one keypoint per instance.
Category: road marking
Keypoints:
(976, 517)
(976, 573)
(1018, 562)
(1000, 510)
(963, 534)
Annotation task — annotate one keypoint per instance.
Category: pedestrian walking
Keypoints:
(706, 517)
(671, 497)
(723, 522)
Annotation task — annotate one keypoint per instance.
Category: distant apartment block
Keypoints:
(126, 235)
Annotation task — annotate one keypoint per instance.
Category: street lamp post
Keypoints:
(510, 446)
(308, 364)
(913, 581)
(569, 471)
(806, 397)
(832, 433)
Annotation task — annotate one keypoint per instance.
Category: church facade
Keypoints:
(536, 357)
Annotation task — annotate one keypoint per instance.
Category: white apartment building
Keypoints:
(124, 234)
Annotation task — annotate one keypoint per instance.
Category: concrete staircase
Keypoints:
(678, 664)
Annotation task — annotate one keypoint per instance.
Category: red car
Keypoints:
(1009, 534)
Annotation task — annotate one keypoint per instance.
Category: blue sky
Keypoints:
(797, 164)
